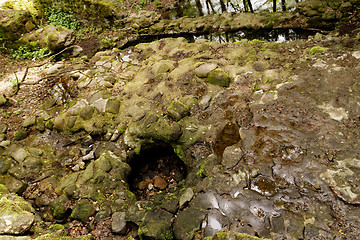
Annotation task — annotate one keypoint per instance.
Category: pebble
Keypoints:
(160, 183)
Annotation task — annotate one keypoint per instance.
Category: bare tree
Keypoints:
(283, 5)
(250, 6)
(246, 8)
(274, 5)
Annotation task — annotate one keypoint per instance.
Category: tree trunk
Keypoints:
(274, 5)
(250, 6)
(283, 5)
(246, 8)
(223, 7)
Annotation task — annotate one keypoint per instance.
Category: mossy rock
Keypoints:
(219, 77)
(58, 207)
(20, 134)
(178, 110)
(227, 235)
(112, 106)
(82, 210)
(87, 112)
(316, 50)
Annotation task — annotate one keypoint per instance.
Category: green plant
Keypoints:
(80, 36)
(17, 112)
(61, 18)
(25, 52)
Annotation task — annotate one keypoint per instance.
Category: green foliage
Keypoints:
(60, 18)
(25, 52)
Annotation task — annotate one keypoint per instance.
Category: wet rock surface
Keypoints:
(178, 140)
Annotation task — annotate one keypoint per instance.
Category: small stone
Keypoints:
(29, 25)
(203, 70)
(19, 154)
(29, 121)
(118, 224)
(356, 54)
(5, 144)
(20, 135)
(87, 112)
(144, 184)
(346, 7)
(231, 156)
(205, 102)
(49, 103)
(112, 106)
(160, 183)
(2, 137)
(219, 77)
(3, 128)
(177, 110)
(186, 197)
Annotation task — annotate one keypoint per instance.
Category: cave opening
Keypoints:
(156, 168)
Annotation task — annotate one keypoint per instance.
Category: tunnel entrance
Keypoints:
(156, 168)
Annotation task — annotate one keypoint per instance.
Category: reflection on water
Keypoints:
(274, 35)
(207, 7)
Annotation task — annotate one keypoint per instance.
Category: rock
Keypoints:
(316, 50)
(112, 106)
(144, 184)
(54, 38)
(163, 67)
(186, 197)
(5, 144)
(20, 135)
(160, 183)
(203, 70)
(356, 54)
(3, 99)
(329, 15)
(12, 23)
(19, 154)
(346, 7)
(58, 207)
(318, 37)
(219, 77)
(3, 128)
(49, 103)
(177, 110)
(16, 215)
(187, 223)
(156, 225)
(82, 210)
(29, 121)
(118, 224)
(3, 190)
(232, 156)
(87, 112)
(205, 102)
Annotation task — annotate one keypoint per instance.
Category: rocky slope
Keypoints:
(178, 140)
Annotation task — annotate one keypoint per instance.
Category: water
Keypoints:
(206, 7)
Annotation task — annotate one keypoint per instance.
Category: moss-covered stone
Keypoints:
(58, 207)
(316, 50)
(20, 134)
(177, 110)
(219, 77)
(82, 210)
(112, 106)
(87, 112)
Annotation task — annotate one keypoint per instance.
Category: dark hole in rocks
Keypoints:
(271, 35)
(156, 168)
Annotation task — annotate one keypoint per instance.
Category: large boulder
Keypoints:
(50, 37)
(16, 215)
(12, 24)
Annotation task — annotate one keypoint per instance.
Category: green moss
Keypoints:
(180, 153)
(224, 235)
(82, 210)
(316, 50)
(14, 204)
(219, 77)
